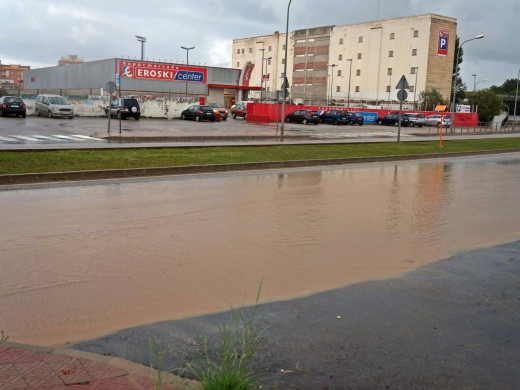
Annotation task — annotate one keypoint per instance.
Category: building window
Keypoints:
(341, 41)
(242, 51)
(238, 51)
(269, 61)
(358, 56)
(389, 71)
(412, 70)
(339, 72)
(238, 64)
(391, 53)
(340, 57)
(414, 52)
(392, 35)
(283, 61)
(338, 88)
(250, 50)
(411, 88)
(283, 47)
(357, 88)
(360, 39)
(388, 88)
(269, 48)
(358, 72)
(415, 33)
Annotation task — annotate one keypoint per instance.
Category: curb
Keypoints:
(33, 178)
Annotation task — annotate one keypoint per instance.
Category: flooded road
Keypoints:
(80, 261)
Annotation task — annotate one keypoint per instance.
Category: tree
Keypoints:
(461, 87)
(507, 88)
(488, 102)
(3, 92)
(430, 99)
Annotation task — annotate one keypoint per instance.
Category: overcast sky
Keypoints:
(39, 32)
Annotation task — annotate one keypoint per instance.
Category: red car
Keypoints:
(239, 109)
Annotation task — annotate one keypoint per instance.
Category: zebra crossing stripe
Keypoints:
(86, 137)
(63, 137)
(24, 137)
(8, 139)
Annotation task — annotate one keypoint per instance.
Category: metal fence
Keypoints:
(480, 128)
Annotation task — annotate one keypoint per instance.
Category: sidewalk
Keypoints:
(33, 367)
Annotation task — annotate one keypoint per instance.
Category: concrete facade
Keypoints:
(372, 56)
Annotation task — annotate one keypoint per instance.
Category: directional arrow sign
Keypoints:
(402, 84)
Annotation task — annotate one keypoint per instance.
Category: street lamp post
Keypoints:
(455, 81)
(478, 82)
(332, 66)
(516, 99)
(349, 77)
(285, 67)
(474, 82)
(262, 76)
(415, 87)
(187, 63)
(142, 40)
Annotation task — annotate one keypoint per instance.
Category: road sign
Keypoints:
(402, 95)
(110, 87)
(402, 84)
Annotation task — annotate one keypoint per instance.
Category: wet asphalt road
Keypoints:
(450, 325)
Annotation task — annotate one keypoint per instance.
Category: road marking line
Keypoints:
(24, 137)
(7, 139)
(86, 137)
(63, 137)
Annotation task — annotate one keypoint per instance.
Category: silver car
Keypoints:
(53, 106)
(435, 120)
(416, 119)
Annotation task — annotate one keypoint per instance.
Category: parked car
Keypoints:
(123, 108)
(435, 120)
(12, 105)
(416, 119)
(393, 120)
(239, 109)
(355, 118)
(53, 106)
(218, 108)
(335, 117)
(303, 116)
(199, 113)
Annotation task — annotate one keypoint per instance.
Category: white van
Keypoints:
(53, 106)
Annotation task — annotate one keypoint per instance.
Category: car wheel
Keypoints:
(396, 124)
(316, 123)
(245, 116)
(351, 123)
(305, 121)
(336, 122)
(360, 123)
(3, 113)
(212, 120)
(49, 114)
(419, 126)
(288, 120)
(37, 112)
(119, 115)
(234, 116)
(183, 116)
(137, 117)
(411, 124)
(379, 122)
(197, 118)
(71, 117)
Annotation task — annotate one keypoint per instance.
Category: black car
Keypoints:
(393, 120)
(199, 113)
(123, 108)
(303, 116)
(12, 105)
(336, 117)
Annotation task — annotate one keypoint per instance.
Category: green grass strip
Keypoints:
(15, 162)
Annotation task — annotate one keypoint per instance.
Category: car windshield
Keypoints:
(130, 102)
(206, 108)
(13, 100)
(313, 113)
(215, 105)
(58, 100)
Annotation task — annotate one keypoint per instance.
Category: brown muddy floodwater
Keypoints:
(81, 261)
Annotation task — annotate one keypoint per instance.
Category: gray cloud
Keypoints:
(39, 32)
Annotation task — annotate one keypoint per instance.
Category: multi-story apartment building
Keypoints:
(11, 76)
(361, 62)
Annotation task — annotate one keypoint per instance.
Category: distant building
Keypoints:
(71, 59)
(11, 76)
(371, 57)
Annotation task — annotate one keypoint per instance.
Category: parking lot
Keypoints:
(36, 131)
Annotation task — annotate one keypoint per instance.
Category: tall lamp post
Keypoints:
(478, 82)
(142, 40)
(285, 67)
(415, 87)
(187, 63)
(332, 66)
(349, 77)
(516, 99)
(456, 74)
(262, 76)
(474, 82)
